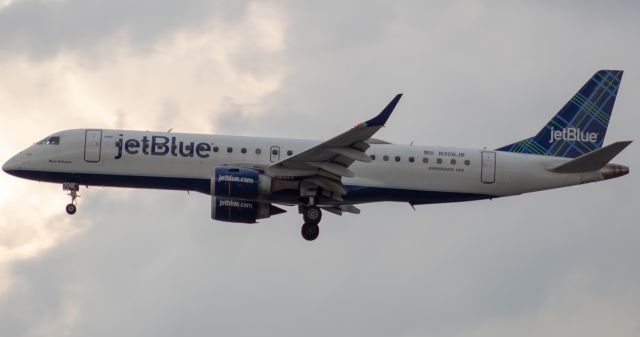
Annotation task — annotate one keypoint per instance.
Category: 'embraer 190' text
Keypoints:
(573, 135)
(162, 146)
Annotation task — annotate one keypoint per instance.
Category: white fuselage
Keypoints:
(411, 173)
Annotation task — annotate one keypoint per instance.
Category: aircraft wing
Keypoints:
(325, 164)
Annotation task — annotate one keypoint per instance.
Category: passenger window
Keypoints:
(243, 150)
(439, 160)
(229, 149)
(467, 162)
(411, 159)
(274, 152)
(425, 160)
(453, 161)
(258, 151)
(397, 158)
(289, 153)
(385, 158)
(216, 149)
(373, 157)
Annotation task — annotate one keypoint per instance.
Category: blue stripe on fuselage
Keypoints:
(355, 194)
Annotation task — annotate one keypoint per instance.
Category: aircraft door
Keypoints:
(488, 175)
(92, 145)
(275, 154)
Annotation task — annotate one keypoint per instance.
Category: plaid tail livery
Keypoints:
(580, 126)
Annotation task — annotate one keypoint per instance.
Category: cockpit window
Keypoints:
(54, 140)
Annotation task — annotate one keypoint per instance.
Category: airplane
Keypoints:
(249, 177)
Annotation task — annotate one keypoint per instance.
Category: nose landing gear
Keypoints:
(312, 216)
(73, 189)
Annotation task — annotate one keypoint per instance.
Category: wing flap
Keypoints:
(351, 153)
(334, 168)
(339, 209)
(327, 184)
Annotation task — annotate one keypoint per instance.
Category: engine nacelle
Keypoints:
(243, 211)
(239, 182)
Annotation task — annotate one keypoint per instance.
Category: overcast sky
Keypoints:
(474, 73)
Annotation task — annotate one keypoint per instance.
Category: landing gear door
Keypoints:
(275, 154)
(488, 167)
(92, 145)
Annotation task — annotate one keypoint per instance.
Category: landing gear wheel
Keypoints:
(71, 209)
(312, 215)
(310, 231)
(73, 189)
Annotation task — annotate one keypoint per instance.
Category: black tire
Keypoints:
(71, 209)
(312, 214)
(310, 231)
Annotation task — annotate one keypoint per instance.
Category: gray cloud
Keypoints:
(41, 28)
(558, 262)
(145, 270)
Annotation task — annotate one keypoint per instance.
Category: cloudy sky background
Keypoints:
(474, 73)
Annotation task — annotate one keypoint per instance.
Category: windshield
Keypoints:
(53, 140)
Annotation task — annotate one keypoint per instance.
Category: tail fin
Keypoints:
(580, 126)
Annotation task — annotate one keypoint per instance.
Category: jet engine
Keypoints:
(242, 211)
(239, 183)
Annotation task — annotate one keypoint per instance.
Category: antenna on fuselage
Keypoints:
(169, 131)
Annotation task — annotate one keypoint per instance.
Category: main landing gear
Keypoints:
(73, 189)
(312, 216)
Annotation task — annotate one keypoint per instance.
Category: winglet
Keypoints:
(381, 118)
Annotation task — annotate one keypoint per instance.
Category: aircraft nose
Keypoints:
(7, 166)
(12, 165)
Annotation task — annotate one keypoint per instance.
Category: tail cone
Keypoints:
(614, 171)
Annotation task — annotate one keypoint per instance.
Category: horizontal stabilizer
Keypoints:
(592, 161)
